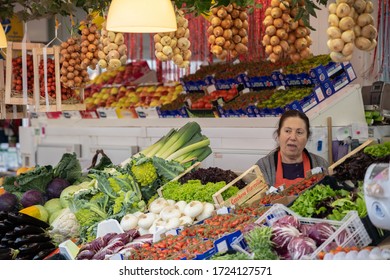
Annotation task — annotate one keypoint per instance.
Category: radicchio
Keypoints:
(320, 232)
(301, 246)
(288, 220)
(304, 228)
(281, 236)
(342, 237)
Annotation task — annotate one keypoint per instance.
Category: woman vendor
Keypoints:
(289, 162)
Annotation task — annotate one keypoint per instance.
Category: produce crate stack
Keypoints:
(19, 86)
(47, 85)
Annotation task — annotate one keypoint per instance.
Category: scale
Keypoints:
(377, 194)
(377, 97)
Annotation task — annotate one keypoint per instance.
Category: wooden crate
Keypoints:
(54, 104)
(15, 112)
(256, 186)
(13, 96)
(2, 89)
(355, 151)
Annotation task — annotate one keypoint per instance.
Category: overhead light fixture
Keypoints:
(3, 39)
(141, 16)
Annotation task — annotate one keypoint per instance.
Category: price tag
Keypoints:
(74, 115)
(89, 114)
(149, 113)
(211, 88)
(54, 115)
(105, 113)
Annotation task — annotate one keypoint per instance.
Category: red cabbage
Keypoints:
(301, 246)
(341, 237)
(32, 197)
(8, 202)
(320, 232)
(288, 220)
(281, 236)
(55, 187)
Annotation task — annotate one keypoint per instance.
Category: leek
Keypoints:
(177, 141)
(204, 143)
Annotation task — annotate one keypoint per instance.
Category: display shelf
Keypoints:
(345, 107)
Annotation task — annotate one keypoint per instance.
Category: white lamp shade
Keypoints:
(141, 16)
(3, 39)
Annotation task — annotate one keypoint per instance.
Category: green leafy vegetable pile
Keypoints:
(195, 190)
(324, 202)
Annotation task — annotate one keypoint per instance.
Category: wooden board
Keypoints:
(356, 150)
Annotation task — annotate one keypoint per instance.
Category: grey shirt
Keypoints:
(269, 163)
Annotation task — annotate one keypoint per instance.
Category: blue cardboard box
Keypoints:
(322, 73)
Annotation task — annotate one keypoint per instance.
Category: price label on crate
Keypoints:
(90, 114)
(38, 115)
(54, 115)
(74, 115)
(105, 113)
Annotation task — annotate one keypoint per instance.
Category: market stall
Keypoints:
(134, 157)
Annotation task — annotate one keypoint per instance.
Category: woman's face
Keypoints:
(293, 138)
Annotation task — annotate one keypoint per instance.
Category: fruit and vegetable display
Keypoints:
(112, 49)
(285, 36)
(351, 25)
(23, 237)
(213, 175)
(167, 214)
(323, 201)
(174, 45)
(354, 167)
(228, 32)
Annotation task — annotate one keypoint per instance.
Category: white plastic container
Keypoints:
(108, 226)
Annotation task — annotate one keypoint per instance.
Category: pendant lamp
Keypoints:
(3, 39)
(141, 16)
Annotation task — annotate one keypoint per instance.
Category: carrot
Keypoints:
(2, 191)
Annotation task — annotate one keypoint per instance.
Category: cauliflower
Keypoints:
(65, 226)
(145, 173)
